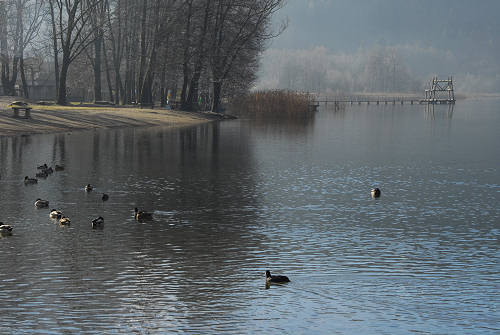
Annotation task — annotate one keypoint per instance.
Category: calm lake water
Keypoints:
(231, 200)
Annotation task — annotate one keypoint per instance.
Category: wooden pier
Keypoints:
(368, 99)
(440, 92)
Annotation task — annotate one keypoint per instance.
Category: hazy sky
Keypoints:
(455, 37)
(348, 24)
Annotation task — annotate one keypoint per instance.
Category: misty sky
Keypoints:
(444, 37)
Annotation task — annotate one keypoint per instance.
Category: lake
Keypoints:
(233, 199)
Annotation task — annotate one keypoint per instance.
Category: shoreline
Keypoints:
(56, 119)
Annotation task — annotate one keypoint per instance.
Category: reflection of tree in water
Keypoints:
(200, 184)
(292, 127)
(12, 148)
(59, 149)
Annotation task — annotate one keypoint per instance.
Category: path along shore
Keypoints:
(55, 119)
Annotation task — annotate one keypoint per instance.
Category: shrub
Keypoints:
(274, 103)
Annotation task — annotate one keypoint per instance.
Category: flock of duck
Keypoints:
(43, 172)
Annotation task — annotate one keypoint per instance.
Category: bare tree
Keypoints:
(32, 16)
(4, 56)
(10, 44)
(97, 22)
(199, 55)
(70, 19)
(116, 23)
(239, 27)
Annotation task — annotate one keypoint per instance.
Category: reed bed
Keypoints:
(274, 103)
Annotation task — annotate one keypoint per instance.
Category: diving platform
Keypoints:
(441, 92)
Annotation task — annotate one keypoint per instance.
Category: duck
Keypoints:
(48, 170)
(59, 168)
(105, 197)
(28, 180)
(375, 192)
(64, 221)
(88, 188)
(42, 174)
(98, 222)
(42, 167)
(41, 203)
(141, 215)
(55, 214)
(275, 279)
(5, 229)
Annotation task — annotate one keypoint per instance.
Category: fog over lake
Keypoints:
(426, 38)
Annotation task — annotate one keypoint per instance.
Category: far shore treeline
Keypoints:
(193, 52)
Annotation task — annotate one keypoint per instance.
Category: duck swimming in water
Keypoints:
(41, 174)
(39, 203)
(142, 216)
(88, 188)
(98, 222)
(375, 192)
(55, 214)
(5, 229)
(64, 221)
(28, 180)
(105, 197)
(276, 279)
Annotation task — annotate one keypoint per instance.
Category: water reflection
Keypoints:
(290, 127)
(202, 233)
(433, 111)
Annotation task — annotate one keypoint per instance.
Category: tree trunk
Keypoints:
(120, 88)
(108, 76)
(147, 89)
(129, 75)
(163, 90)
(140, 79)
(217, 90)
(116, 52)
(185, 62)
(55, 49)
(4, 57)
(8, 81)
(26, 92)
(192, 100)
(61, 94)
(97, 67)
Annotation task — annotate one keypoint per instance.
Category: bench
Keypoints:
(27, 111)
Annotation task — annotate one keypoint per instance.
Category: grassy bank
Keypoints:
(273, 103)
(53, 119)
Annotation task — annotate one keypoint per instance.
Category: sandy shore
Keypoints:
(53, 119)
